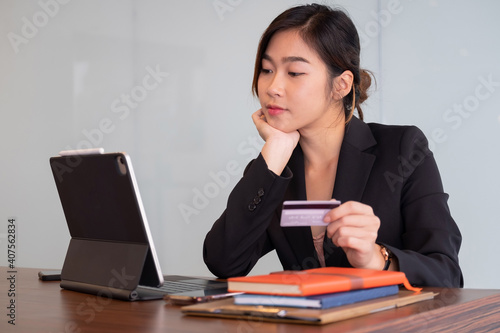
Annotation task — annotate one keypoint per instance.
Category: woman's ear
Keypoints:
(342, 85)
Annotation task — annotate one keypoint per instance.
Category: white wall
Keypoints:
(66, 67)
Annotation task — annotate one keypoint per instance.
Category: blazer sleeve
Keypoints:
(239, 237)
(431, 239)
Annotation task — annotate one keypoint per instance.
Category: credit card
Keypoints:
(299, 213)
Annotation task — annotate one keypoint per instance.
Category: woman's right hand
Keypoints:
(279, 145)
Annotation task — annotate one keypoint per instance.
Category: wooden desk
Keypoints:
(44, 307)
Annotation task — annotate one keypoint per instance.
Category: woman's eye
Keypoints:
(265, 71)
(293, 74)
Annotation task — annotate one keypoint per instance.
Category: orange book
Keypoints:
(317, 281)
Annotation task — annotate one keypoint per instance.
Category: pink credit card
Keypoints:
(299, 213)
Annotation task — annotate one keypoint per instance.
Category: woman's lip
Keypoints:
(274, 110)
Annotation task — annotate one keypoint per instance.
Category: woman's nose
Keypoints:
(276, 86)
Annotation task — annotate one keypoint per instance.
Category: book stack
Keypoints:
(319, 288)
(316, 296)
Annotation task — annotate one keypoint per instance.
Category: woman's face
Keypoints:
(293, 86)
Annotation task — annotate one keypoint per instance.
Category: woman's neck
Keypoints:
(321, 146)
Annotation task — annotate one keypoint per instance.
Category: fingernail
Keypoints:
(327, 219)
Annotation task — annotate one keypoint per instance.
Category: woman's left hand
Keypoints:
(353, 227)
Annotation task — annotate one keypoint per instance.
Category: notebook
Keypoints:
(111, 251)
(317, 281)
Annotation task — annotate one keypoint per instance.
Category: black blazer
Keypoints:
(389, 168)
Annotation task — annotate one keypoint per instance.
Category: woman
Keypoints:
(394, 213)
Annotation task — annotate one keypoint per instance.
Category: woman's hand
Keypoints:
(353, 227)
(279, 145)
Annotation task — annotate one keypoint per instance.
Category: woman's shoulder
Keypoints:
(398, 133)
(379, 129)
(403, 138)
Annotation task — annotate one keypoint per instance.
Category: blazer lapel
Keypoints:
(353, 171)
(355, 164)
(300, 237)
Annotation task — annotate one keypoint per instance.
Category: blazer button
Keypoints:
(251, 207)
(256, 200)
(260, 192)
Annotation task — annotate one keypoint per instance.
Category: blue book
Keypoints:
(323, 301)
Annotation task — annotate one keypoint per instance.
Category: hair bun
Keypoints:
(365, 82)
